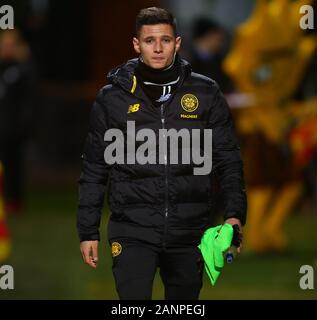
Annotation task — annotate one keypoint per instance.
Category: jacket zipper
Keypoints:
(166, 179)
(165, 159)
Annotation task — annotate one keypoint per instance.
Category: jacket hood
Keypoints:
(122, 75)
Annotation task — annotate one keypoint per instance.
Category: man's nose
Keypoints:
(158, 47)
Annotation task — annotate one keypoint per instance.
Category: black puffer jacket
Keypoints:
(159, 203)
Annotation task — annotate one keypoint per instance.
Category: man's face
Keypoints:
(157, 45)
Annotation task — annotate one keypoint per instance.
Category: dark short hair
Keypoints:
(154, 15)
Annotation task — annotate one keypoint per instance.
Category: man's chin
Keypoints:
(158, 65)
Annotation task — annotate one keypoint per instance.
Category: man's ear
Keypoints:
(178, 43)
(136, 45)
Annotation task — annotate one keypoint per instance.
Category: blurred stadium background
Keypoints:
(267, 67)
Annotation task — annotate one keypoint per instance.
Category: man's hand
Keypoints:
(89, 251)
(234, 221)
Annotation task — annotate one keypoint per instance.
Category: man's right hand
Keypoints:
(89, 251)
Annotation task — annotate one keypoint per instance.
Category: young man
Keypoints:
(159, 209)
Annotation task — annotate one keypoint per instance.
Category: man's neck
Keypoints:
(158, 84)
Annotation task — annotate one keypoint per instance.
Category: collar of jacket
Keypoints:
(123, 75)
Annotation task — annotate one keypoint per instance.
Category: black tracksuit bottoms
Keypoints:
(134, 265)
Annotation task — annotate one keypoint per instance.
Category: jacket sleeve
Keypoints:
(94, 174)
(226, 159)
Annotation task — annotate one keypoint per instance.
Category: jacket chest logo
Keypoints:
(134, 107)
(189, 102)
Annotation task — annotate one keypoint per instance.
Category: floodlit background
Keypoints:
(51, 67)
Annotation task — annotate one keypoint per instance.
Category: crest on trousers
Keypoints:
(116, 249)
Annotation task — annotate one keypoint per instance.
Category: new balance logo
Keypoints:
(134, 108)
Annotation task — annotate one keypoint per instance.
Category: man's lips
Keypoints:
(157, 58)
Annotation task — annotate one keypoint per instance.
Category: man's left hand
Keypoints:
(234, 221)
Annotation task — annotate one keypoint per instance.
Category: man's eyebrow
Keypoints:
(153, 37)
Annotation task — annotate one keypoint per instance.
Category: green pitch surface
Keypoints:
(48, 265)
